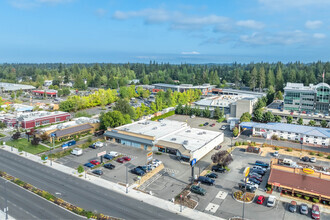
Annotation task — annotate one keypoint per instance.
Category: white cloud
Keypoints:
(313, 24)
(280, 38)
(101, 12)
(319, 36)
(190, 53)
(250, 24)
(177, 20)
(293, 3)
(28, 4)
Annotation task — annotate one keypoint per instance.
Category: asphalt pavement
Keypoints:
(26, 205)
(79, 192)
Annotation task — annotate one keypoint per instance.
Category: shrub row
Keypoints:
(168, 114)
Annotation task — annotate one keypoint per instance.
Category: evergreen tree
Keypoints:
(279, 79)
(253, 78)
(270, 78)
(262, 78)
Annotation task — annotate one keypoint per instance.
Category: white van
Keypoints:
(113, 153)
(287, 162)
(77, 151)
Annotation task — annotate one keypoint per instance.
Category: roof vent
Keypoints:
(154, 128)
(173, 139)
(188, 131)
(163, 125)
(200, 133)
(204, 132)
(185, 142)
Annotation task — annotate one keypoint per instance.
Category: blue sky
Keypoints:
(214, 31)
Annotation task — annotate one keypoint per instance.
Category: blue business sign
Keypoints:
(192, 162)
(52, 134)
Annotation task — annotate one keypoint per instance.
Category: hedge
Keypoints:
(168, 114)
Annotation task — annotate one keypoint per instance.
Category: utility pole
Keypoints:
(126, 179)
(244, 198)
(6, 199)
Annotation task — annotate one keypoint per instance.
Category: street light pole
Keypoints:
(6, 199)
(51, 161)
(244, 199)
(126, 179)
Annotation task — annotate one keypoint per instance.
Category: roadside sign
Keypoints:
(246, 171)
(192, 162)
(101, 153)
(52, 134)
(301, 140)
(149, 157)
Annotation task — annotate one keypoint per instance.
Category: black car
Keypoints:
(138, 171)
(254, 180)
(219, 169)
(206, 180)
(261, 172)
(212, 175)
(98, 172)
(306, 159)
(108, 156)
(206, 124)
(144, 168)
(109, 166)
(247, 188)
(92, 146)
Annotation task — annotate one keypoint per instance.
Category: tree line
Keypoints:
(256, 76)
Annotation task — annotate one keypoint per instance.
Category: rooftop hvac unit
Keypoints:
(154, 128)
(200, 133)
(163, 125)
(185, 142)
(188, 131)
(204, 132)
(173, 139)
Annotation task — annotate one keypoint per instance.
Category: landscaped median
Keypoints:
(58, 201)
(149, 175)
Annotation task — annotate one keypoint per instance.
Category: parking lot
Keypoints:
(219, 201)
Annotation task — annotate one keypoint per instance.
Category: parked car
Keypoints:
(114, 153)
(315, 212)
(305, 159)
(223, 127)
(271, 201)
(98, 172)
(108, 156)
(206, 124)
(120, 160)
(258, 171)
(251, 184)
(247, 187)
(260, 200)
(293, 206)
(304, 209)
(192, 116)
(218, 168)
(99, 144)
(212, 175)
(145, 168)
(253, 180)
(212, 125)
(89, 165)
(261, 164)
(126, 158)
(255, 177)
(218, 147)
(94, 162)
(255, 174)
(259, 168)
(138, 171)
(92, 146)
(312, 159)
(198, 190)
(77, 151)
(276, 154)
(156, 162)
(206, 180)
(109, 166)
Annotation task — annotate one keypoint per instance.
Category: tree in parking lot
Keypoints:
(300, 121)
(222, 158)
(324, 123)
(289, 119)
(80, 169)
(311, 123)
(278, 118)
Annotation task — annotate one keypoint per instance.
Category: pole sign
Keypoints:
(101, 154)
(246, 171)
(301, 140)
(52, 134)
(192, 162)
(149, 157)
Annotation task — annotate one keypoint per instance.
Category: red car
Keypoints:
(260, 200)
(94, 162)
(212, 125)
(126, 158)
(120, 160)
(315, 212)
(255, 177)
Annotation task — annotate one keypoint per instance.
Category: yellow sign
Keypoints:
(308, 171)
(247, 171)
(149, 154)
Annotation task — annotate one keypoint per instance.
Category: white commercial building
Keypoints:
(309, 135)
(167, 136)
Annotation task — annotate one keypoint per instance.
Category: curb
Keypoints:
(242, 201)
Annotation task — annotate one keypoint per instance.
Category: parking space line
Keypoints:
(211, 207)
(168, 170)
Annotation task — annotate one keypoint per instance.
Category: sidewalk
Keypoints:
(146, 198)
(3, 216)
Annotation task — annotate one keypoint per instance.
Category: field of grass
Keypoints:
(27, 146)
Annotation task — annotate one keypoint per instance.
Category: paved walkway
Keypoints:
(3, 216)
(149, 199)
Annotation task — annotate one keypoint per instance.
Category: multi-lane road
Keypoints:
(79, 192)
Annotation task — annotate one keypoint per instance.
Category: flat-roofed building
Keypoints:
(9, 87)
(167, 136)
(205, 88)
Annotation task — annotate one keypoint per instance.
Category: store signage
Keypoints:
(308, 171)
(149, 157)
(246, 171)
(101, 154)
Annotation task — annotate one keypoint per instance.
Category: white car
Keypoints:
(275, 154)
(312, 160)
(77, 151)
(113, 153)
(271, 201)
(252, 184)
(98, 144)
(192, 116)
(156, 162)
(259, 168)
(223, 127)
